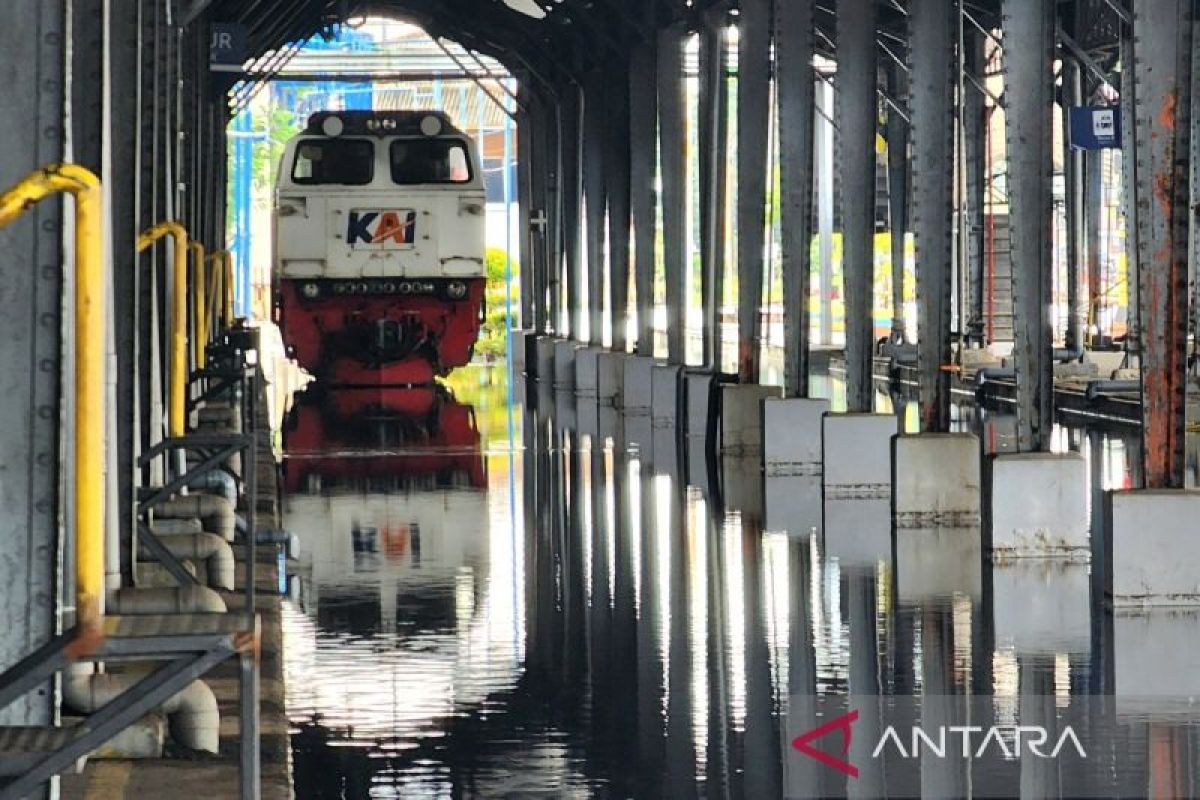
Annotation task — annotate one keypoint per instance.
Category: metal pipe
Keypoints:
(199, 306)
(90, 362)
(986, 374)
(178, 402)
(1097, 388)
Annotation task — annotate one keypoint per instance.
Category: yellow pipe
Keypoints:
(227, 284)
(222, 295)
(178, 400)
(89, 380)
(200, 304)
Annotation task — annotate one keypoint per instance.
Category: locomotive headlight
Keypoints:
(333, 126)
(311, 291)
(457, 290)
(431, 125)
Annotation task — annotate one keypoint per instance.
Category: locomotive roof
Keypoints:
(407, 122)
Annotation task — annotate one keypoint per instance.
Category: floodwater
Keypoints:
(503, 598)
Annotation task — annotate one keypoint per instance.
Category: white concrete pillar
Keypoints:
(610, 369)
(1153, 547)
(791, 436)
(1042, 606)
(856, 451)
(1037, 506)
(636, 385)
(586, 372)
(564, 365)
(742, 418)
(935, 480)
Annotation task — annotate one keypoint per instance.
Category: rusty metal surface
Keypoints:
(1162, 75)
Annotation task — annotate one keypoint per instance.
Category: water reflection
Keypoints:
(582, 613)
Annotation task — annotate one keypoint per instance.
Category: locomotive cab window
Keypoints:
(418, 161)
(345, 162)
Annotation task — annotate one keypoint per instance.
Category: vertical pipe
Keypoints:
(931, 74)
(527, 235)
(1072, 94)
(824, 148)
(794, 92)
(857, 114)
(1129, 172)
(572, 189)
(897, 155)
(1162, 72)
(712, 139)
(643, 131)
(554, 214)
(617, 170)
(1029, 90)
(672, 144)
(595, 194)
(754, 46)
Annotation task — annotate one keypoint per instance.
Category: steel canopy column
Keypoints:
(672, 143)
(932, 66)
(595, 194)
(571, 120)
(643, 131)
(528, 235)
(754, 46)
(857, 111)
(1029, 89)
(1162, 71)
(1093, 224)
(617, 168)
(1072, 95)
(713, 138)
(795, 93)
(975, 130)
(552, 177)
(897, 155)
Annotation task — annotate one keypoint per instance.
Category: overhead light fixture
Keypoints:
(332, 126)
(431, 125)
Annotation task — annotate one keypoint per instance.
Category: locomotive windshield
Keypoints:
(418, 161)
(348, 162)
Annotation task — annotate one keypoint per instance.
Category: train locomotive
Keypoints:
(379, 270)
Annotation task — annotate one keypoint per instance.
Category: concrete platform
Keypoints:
(938, 563)
(742, 418)
(1153, 547)
(586, 372)
(791, 436)
(610, 377)
(856, 452)
(935, 481)
(1042, 606)
(637, 391)
(1037, 506)
(792, 502)
(564, 365)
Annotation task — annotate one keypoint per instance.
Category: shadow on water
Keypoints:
(548, 599)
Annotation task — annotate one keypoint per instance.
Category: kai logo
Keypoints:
(382, 227)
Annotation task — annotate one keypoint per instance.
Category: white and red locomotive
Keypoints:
(379, 247)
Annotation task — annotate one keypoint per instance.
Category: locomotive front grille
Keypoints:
(441, 289)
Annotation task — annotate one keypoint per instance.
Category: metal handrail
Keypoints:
(90, 363)
(177, 415)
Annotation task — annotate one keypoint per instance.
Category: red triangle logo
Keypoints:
(803, 743)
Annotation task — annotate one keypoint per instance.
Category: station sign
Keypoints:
(1095, 127)
(228, 46)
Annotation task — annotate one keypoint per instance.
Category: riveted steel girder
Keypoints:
(713, 137)
(616, 162)
(753, 117)
(571, 125)
(643, 131)
(1162, 69)
(857, 114)
(931, 26)
(794, 80)
(596, 198)
(1029, 91)
(672, 143)
(898, 165)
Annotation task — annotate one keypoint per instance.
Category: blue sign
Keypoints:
(1095, 127)
(228, 47)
